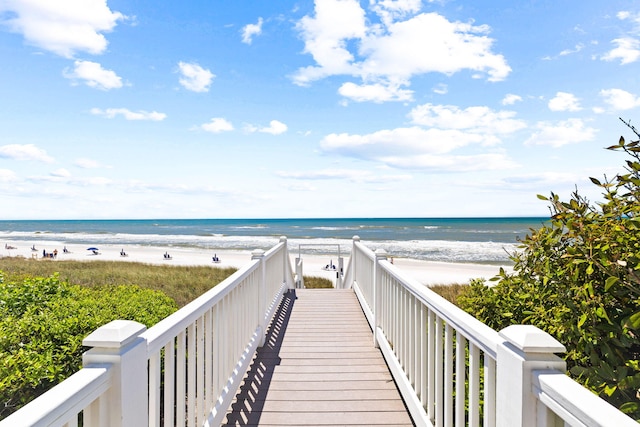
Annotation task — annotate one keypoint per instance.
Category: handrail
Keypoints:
(452, 368)
(575, 404)
(61, 405)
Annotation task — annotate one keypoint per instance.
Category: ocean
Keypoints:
(478, 240)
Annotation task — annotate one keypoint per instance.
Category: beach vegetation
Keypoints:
(450, 292)
(578, 278)
(43, 321)
(181, 283)
(314, 282)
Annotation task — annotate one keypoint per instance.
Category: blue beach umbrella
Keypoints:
(92, 249)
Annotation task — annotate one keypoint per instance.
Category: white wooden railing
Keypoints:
(454, 370)
(185, 370)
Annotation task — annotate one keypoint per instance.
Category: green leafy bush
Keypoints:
(43, 322)
(578, 278)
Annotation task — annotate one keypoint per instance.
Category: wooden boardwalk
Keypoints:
(318, 368)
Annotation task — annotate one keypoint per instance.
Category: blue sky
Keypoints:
(332, 108)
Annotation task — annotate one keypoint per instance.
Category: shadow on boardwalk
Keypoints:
(247, 408)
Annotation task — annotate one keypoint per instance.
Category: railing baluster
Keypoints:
(431, 347)
(439, 372)
(489, 392)
(181, 378)
(154, 390)
(423, 356)
(208, 362)
(448, 376)
(461, 359)
(217, 375)
(169, 378)
(191, 383)
(415, 342)
(200, 404)
(474, 385)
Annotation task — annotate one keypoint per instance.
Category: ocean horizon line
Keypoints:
(497, 217)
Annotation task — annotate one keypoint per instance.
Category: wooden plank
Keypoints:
(318, 368)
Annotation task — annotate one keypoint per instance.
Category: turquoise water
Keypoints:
(485, 240)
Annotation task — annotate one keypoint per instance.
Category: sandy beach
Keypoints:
(425, 272)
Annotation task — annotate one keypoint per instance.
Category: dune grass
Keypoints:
(314, 282)
(449, 292)
(182, 283)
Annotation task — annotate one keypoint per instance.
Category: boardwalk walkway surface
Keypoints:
(318, 368)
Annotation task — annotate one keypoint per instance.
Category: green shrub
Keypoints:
(578, 278)
(43, 322)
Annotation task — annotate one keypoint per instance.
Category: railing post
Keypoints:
(262, 294)
(526, 348)
(377, 292)
(119, 343)
(355, 239)
(286, 263)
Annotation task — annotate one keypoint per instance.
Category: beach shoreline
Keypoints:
(425, 272)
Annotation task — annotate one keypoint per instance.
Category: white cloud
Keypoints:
(376, 92)
(250, 30)
(441, 89)
(111, 113)
(93, 75)
(391, 53)
(217, 125)
(87, 163)
(627, 50)
(542, 180)
(430, 43)
(194, 77)
(7, 175)
(63, 27)
(400, 141)
(24, 152)
(479, 119)
(576, 49)
(511, 99)
(275, 128)
(628, 46)
(325, 174)
(388, 10)
(564, 101)
(60, 173)
(348, 174)
(442, 130)
(453, 163)
(619, 99)
(571, 131)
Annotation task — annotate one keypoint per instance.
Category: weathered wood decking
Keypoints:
(318, 367)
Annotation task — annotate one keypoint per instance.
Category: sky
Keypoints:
(302, 109)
